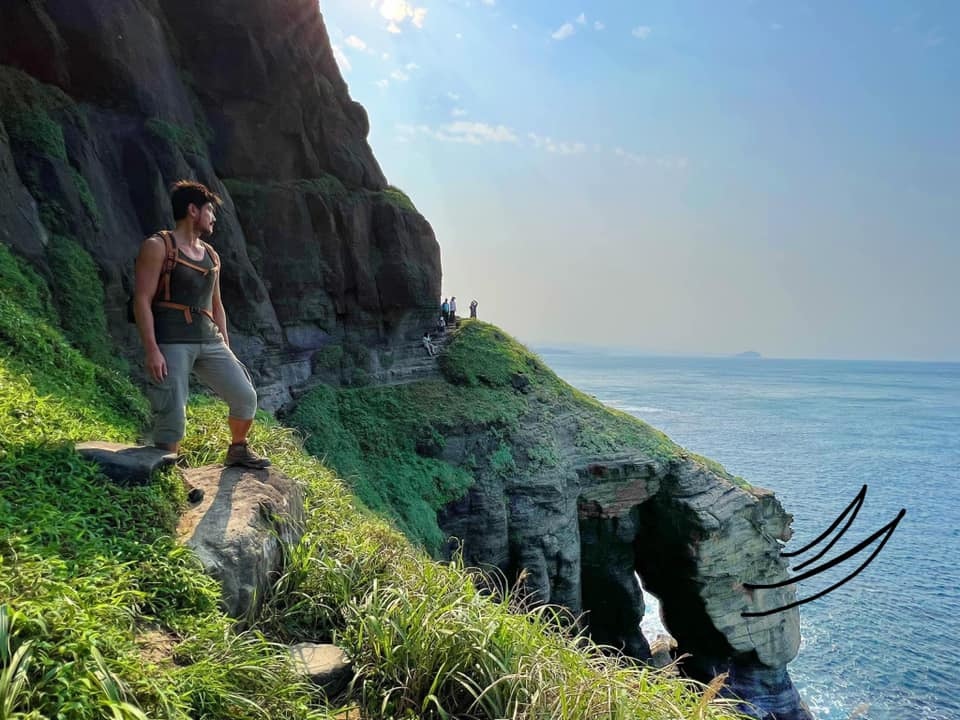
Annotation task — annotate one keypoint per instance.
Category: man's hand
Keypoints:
(156, 365)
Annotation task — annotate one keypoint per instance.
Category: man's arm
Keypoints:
(149, 265)
(219, 314)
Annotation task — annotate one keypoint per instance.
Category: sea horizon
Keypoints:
(627, 350)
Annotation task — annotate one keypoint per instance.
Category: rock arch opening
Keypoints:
(647, 543)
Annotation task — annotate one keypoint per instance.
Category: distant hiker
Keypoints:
(453, 310)
(428, 344)
(183, 325)
(441, 325)
(473, 309)
(445, 310)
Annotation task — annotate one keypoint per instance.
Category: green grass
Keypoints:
(19, 281)
(103, 614)
(388, 442)
(383, 441)
(481, 354)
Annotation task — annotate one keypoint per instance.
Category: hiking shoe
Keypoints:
(240, 454)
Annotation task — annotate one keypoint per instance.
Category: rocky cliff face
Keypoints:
(103, 104)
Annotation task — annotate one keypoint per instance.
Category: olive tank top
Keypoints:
(191, 284)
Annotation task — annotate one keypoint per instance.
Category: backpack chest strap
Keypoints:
(187, 310)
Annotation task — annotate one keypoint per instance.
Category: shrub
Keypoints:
(398, 198)
(21, 283)
(186, 139)
(79, 295)
(86, 197)
(27, 108)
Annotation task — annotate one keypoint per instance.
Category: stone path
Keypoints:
(411, 363)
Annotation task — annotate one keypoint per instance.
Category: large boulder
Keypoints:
(240, 530)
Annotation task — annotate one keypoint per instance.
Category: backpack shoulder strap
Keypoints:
(213, 256)
(169, 262)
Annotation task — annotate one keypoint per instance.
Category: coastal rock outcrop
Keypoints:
(102, 105)
(586, 528)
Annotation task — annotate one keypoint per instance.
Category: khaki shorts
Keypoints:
(214, 365)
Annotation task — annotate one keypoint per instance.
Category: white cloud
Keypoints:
(563, 32)
(399, 76)
(458, 112)
(453, 96)
(382, 83)
(598, 25)
(342, 60)
(459, 36)
(397, 12)
(411, 66)
(385, 56)
(489, 2)
(581, 19)
(641, 31)
(478, 132)
(514, 27)
(558, 147)
(462, 131)
(355, 42)
(678, 163)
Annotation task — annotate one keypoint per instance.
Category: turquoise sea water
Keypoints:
(886, 645)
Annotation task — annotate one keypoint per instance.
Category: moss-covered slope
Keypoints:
(102, 614)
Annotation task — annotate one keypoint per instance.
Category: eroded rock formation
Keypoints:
(586, 528)
(103, 104)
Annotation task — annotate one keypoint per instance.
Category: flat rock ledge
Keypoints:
(324, 665)
(240, 530)
(126, 464)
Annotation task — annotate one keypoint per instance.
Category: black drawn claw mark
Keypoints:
(886, 531)
(854, 505)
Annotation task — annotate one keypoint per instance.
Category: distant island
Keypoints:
(750, 355)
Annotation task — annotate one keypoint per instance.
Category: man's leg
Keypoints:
(168, 399)
(239, 429)
(218, 368)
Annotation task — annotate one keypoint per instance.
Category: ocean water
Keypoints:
(886, 645)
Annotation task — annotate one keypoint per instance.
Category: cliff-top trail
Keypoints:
(333, 277)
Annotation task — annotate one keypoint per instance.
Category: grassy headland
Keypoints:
(102, 614)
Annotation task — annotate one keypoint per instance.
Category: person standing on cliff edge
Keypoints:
(183, 325)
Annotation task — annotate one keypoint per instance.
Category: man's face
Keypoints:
(205, 218)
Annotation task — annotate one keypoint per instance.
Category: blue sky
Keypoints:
(678, 177)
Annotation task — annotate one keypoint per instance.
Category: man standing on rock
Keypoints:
(183, 325)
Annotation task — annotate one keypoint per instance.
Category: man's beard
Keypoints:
(206, 233)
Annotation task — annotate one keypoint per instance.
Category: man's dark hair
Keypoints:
(184, 193)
